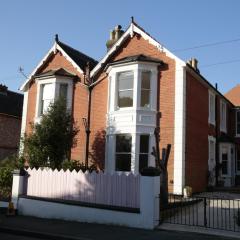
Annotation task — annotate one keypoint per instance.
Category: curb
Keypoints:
(40, 235)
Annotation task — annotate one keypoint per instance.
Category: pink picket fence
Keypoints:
(121, 190)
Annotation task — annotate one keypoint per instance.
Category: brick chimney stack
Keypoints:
(114, 36)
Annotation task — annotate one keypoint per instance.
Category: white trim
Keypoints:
(55, 81)
(24, 121)
(129, 32)
(211, 121)
(223, 124)
(211, 165)
(51, 51)
(179, 128)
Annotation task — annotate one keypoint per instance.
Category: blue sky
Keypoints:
(27, 30)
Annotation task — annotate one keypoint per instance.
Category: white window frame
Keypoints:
(237, 134)
(237, 160)
(211, 112)
(213, 140)
(228, 146)
(56, 81)
(150, 89)
(223, 116)
(115, 152)
(117, 90)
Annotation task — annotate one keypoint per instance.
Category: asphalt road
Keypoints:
(148, 235)
(6, 236)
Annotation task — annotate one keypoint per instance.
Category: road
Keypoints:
(146, 235)
(6, 236)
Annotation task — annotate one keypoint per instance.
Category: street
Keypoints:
(6, 236)
(123, 233)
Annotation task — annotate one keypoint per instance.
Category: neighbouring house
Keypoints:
(11, 104)
(118, 102)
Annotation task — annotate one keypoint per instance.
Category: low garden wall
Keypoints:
(120, 199)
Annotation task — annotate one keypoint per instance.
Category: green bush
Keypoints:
(6, 168)
(76, 165)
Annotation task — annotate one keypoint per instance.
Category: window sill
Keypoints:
(212, 123)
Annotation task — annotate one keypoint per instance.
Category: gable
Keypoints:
(130, 32)
(57, 61)
(77, 59)
(234, 95)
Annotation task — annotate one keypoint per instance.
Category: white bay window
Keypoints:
(50, 89)
(131, 116)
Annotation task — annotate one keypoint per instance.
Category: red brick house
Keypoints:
(10, 121)
(137, 86)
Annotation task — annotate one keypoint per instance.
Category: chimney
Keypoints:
(3, 89)
(114, 36)
(193, 62)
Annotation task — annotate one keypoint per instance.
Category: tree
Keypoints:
(51, 140)
(162, 165)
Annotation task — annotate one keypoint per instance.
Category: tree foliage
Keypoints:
(51, 140)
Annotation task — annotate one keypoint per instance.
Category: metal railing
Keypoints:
(208, 212)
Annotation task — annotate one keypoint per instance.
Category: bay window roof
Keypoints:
(136, 58)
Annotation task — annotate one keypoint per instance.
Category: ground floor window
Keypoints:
(123, 152)
(224, 160)
(144, 151)
(238, 162)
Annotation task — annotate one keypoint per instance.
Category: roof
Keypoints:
(233, 95)
(209, 84)
(136, 58)
(133, 28)
(11, 103)
(78, 57)
(56, 72)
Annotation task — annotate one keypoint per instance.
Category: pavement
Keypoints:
(37, 228)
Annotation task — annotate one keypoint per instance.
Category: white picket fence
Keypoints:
(100, 188)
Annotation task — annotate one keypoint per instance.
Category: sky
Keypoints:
(27, 30)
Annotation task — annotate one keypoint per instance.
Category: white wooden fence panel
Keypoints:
(100, 188)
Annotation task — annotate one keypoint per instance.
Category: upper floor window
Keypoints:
(223, 116)
(46, 97)
(238, 123)
(123, 152)
(125, 89)
(145, 89)
(211, 113)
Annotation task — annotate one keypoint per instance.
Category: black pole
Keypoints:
(87, 127)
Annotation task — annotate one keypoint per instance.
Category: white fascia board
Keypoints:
(113, 49)
(52, 50)
(133, 28)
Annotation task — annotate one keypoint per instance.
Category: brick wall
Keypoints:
(10, 128)
(80, 98)
(166, 80)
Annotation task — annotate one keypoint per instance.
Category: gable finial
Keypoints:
(132, 19)
(56, 38)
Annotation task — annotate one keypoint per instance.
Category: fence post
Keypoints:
(149, 197)
(17, 185)
(205, 211)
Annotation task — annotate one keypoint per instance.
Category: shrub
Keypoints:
(76, 165)
(52, 139)
(6, 167)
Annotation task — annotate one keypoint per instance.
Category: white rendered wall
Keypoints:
(179, 129)
(147, 218)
